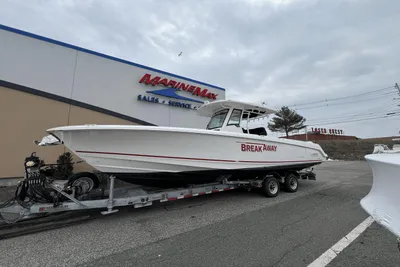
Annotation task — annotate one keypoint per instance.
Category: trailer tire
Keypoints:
(271, 187)
(291, 183)
(91, 179)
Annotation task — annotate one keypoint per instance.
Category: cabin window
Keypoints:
(217, 120)
(235, 117)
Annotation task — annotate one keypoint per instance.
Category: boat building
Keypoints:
(46, 83)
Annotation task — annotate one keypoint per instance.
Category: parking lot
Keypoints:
(235, 228)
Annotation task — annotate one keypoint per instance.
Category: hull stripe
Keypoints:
(186, 158)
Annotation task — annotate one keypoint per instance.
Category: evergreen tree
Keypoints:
(286, 120)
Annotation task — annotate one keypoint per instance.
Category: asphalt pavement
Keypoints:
(226, 229)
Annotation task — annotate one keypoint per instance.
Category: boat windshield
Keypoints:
(217, 120)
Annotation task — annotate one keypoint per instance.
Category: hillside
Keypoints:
(352, 149)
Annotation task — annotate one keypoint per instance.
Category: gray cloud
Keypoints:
(281, 52)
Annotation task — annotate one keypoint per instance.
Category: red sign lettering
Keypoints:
(198, 91)
(325, 131)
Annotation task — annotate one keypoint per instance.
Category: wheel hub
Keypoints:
(85, 184)
(273, 187)
(293, 183)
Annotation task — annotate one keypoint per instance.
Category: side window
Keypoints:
(235, 117)
(217, 120)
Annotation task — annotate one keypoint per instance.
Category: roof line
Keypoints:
(49, 40)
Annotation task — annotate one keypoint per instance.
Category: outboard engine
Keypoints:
(32, 188)
(32, 166)
(39, 182)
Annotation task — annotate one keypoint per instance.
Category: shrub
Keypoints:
(65, 166)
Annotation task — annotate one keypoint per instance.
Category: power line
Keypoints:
(394, 115)
(344, 97)
(350, 119)
(385, 112)
(350, 102)
(388, 105)
(364, 119)
(386, 108)
(379, 108)
(362, 114)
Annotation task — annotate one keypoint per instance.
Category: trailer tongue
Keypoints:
(40, 194)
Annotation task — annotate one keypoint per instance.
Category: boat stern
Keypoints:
(317, 151)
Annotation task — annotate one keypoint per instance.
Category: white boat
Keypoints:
(170, 155)
(382, 202)
(381, 148)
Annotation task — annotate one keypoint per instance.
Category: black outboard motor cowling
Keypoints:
(32, 188)
(32, 165)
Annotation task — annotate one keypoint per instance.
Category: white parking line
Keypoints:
(332, 252)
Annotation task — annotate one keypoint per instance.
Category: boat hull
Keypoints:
(164, 179)
(382, 200)
(145, 153)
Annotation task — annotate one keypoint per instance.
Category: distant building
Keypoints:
(316, 136)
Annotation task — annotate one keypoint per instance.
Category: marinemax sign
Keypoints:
(174, 89)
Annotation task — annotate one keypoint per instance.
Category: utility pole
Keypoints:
(306, 133)
(396, 85)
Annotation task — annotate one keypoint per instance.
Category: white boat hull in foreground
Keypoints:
(153, 152)
(382, 202)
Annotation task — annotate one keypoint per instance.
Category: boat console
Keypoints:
(229, 116)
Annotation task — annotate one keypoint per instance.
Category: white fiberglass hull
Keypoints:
(382, 202)
(149, 149)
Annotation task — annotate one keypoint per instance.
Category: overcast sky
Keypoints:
(281, 52)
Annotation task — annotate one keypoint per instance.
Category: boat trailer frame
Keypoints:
(134, 196)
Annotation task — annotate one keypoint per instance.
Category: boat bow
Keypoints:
(382, 202)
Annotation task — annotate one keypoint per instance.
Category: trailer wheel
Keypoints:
(271, 187)
(291, 183)
(86, 181)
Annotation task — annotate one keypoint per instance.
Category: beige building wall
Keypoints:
(24, 117)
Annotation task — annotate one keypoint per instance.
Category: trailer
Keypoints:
(40, 194)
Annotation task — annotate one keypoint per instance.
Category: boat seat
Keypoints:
(256, 131)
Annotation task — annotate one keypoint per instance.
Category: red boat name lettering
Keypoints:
(258, 148)
(270, 148)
